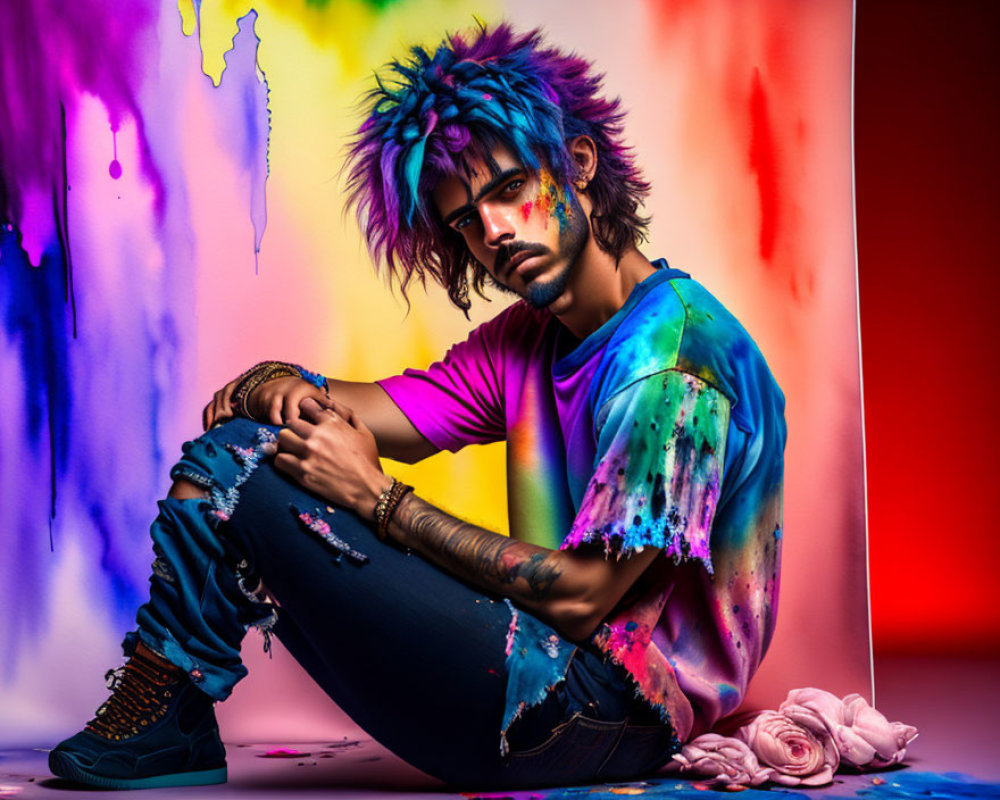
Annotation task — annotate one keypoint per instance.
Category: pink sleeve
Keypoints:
(459, 400)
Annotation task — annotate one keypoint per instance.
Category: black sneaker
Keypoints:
(157, 729)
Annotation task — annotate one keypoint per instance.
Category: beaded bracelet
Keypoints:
(386, 506)
(314, 378)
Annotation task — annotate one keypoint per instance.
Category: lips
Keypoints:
(513, 261)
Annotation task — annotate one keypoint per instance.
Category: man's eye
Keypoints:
(463, 222)
(513, 186)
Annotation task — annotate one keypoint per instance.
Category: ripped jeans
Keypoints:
(432, 668)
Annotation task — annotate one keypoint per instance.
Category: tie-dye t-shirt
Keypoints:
(663, 428)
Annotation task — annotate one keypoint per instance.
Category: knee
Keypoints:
(185, 490)
(220, 460)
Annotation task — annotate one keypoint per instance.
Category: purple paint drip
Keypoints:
(115, 167)
(54, 59)
(242, 96)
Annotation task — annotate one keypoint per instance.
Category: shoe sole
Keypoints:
(63, 766)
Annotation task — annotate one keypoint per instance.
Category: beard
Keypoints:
(573, 237)
(543, 294)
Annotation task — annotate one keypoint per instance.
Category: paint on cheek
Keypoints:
(552, 201)
(526, 210)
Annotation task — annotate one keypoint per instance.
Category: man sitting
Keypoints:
(637, 593)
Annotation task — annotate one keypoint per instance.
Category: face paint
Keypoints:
(503, 209)
(551, 201)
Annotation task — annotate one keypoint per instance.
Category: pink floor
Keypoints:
(954, 703)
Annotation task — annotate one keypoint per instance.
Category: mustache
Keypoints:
(509, 251)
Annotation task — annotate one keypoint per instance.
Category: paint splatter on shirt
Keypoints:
(664, 428)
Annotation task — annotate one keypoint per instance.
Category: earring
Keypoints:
(580, 183)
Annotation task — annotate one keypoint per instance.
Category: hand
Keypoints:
(221, 406)
(330, 451)
(276, 401)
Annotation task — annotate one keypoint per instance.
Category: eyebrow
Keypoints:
(488, 187)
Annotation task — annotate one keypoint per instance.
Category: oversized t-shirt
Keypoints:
(663, 428)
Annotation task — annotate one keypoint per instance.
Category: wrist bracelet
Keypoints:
(254, 377)
(387, 503)
(314, 378)
(267, 371)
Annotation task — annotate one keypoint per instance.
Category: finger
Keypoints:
(310, 409)
(290, 409)
(340, 407)
(347, 413)
(274, 412)
(212, 412)
(289, 465)
(291, 443)
(225, 398)
(300, 427)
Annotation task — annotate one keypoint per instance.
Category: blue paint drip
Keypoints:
(116, 562)
(37, 330)
(34, 311)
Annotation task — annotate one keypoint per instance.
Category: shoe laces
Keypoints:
(141, 693)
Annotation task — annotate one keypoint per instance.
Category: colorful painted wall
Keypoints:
(173, 213)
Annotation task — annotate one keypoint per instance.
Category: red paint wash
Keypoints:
(526, 210)
(763, 162)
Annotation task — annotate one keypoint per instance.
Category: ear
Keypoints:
(583, 151)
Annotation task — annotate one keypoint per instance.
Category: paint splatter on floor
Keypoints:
(23, 774)
(282, 752)
(898, 785)
(347, 744)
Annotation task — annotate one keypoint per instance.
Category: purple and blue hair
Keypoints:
(439, 113)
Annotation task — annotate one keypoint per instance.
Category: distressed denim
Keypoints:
(431, 667)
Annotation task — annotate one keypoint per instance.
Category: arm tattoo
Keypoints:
(474, 554)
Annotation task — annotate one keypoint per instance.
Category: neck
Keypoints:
(598, 288)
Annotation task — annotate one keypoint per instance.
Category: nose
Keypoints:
(498, 227)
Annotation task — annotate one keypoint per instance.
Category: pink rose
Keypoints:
(800, 752)
(802, 743)
(816, 706)
(825, 705)
(725, 761)
(862, 735)
(887, 739)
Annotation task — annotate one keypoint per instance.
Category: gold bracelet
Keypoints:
(254, 377)
(386, 506)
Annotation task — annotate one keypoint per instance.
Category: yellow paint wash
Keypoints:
(318, 63)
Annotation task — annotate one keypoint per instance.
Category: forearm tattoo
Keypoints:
(475, 554)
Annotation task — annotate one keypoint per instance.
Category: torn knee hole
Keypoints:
(185, 490)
